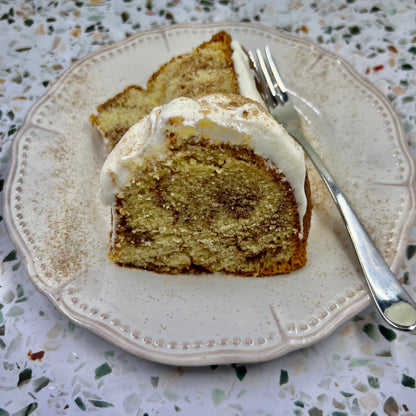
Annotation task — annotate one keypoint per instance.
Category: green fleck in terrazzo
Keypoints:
(10, 257)
(410, 251)
(71, 326)
(284, 377)
(218, 396)
(100, 403)
(154, 381)
(102, 370)
(240, 371)
(314, 411)
(358, 362)
(371, 330)
(408, 381)
(373, 382)
(15, 311)
(40, 383)
(387, 333)
(24, 377)
(80, 403)
(384, 353)
(29, 409)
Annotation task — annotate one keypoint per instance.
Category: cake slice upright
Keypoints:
(207, 69)
(208, 185)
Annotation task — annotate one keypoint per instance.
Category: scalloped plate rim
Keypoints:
(227, 354)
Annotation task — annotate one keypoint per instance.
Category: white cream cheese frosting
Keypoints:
(245, 74)
(217, 117)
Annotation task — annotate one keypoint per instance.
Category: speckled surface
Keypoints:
(49, 366)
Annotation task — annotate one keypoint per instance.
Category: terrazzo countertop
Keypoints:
(50, 366)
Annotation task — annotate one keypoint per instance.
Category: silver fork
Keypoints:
(393, 302)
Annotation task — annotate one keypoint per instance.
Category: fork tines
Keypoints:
(269, 77)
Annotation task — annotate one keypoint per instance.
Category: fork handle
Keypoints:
(392, 300)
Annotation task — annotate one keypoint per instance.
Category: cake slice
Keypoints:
(209, 68)
(213, 185)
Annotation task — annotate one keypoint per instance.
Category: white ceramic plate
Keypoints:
(60, 227)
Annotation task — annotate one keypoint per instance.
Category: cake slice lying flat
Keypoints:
(207, 69)
(213, 184)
